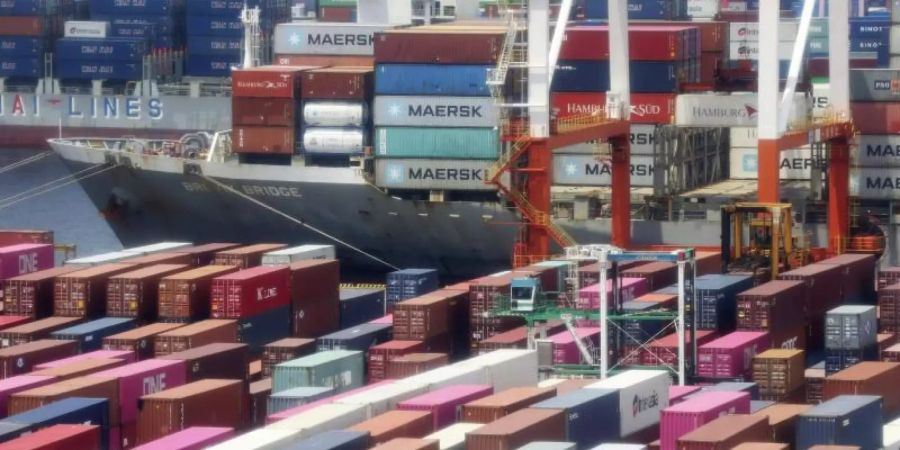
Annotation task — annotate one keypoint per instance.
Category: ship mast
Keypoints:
(252, 36)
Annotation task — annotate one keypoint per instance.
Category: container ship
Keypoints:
(406, 127)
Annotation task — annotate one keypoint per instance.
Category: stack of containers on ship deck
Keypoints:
(264, 113)
(337, 10)
(875, 103)
(27, 30)
(335, 118)
(308, 43)
(436, 126)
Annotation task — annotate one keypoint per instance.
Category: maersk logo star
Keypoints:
(571, 168)
(395, 173)
(395, 110)
(294, 39)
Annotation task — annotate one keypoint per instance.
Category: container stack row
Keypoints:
(28, 29)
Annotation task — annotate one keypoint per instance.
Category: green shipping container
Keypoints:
(338, 369)
(440, 143)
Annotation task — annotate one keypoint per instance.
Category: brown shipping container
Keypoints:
(774, 307)
(885, 341)
(20, 358)
(79, 368)
(254, 370)
(779, 374)
(451, 45)
(13, 237)
(34, 331)
(285, 350)
(409, 444)
(315, 297)
(32, 294)
(431, 315)
(139, 340)
(574, 384)
(726, 432)
(136, 293)
(98, 387)
(267, 81)
(229, 361)
(380, 356)
(762, 446)
(208, 403)
(518, 429)
(708, 262)
(269, 140)
(486, 328)
(338, 83)
(502, 404)
(203, 254)
(246, 257)
(867, 378)
(396, 424)
(657, 274)
(889, 309)
(824, 287)
(337, 14)
(22, 26)
(891, 354)
(185, 296)
(415, 363)
(783, 420)
(154, 259)
(83, 293)
(858, 272)
(517, 338)
(267, 112)
(484, 294)
(195, 335)
(324, 60)
(814, 378)
(888, 276)
(258, 402)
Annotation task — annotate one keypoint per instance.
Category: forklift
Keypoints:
(757, 238)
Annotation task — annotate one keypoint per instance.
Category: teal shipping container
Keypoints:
(438, 143)
(338, 369)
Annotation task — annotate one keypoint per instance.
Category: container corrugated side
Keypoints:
(519, 428)
(312, 38)
(648, 389)
(846, 420)
(340, 369)
(454, 436)
(424, 79)
(321, 419)
(506, 368)
(678, 420)
(384, 398)
(261, 439)
(437, 143)
(433, 174)
(430, 111)
(334, 440)
(192, 438)
(584, 409)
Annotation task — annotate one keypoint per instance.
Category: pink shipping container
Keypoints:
(631, 288)
(97, 354)
(19, 383)
(144, 378)
(13, 321)
(193, 438)
(687, 416)
(731, 356)
(678, 394)
(445, 404)
(294, 411)
(20, 259)
(565, 350)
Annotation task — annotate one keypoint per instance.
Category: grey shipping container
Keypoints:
(575, 169)
(430, 111)
(89, 336)
(433, 174)
(359, 306)
(584, 410)
(340, 369)
(360, 337)
(854, 420)
(874, 85)
(318, 38)
(297, 396)
(333, 440)
(851, 327)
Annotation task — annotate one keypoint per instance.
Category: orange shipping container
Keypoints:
(867, 378)
(518, 429)
(502, 404)
(397, 424)
(409, 444)
(726, 432)
(195, 335)
(210, 402)
(99, 387)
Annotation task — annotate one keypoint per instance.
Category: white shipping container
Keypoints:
(300, 253)
(749, 31)
(448, 376)
(433, 174)
(327, 417)
(891, 437)
(454, 436)
(507, 368)
(551, 382)
(895, 38)
(620, 447)
(261, 439)
(749, 50)
(426, 111)
(104, 258)
(821, 99)
(86, 29)
(735, 110)
(158, 248)
(643, 139)
(702, 9)
(796, 164)
(324, 38)
(876, 151)
(587, 170)
(333, 141)
(384, 398)
(334, 114)
(871, 183)
(744, 136)
(643, 393)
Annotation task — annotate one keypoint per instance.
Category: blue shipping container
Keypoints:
(23, 7)
(21, 46)
(85, 70)
(161, 24)
(359, 306)
(215, 26)
(132, 7)
(97, 50)
(213, 46)
(870, 27)
(10, 431)
(838, 360)
(589, 413)
(427, 79)
(636, 332)
(333, 440)
(854, 420)
(639, 9)
(410, 283)
(717, 300)
(261, 329)
(89, 336)
(21, 67)
(210, 66)
(227, 8)
(80, 410)
(646, 76)
(358, 338)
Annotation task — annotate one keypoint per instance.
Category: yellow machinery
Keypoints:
(767, 246)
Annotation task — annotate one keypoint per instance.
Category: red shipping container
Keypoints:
(687, 416)
(518, 338)
(867, 378)
(269, 112)
(136, 293)
(731, 356)
(878, 117)
(139, 341)
(415, 363)
(858, 273)
(7, 322)
(710, 63)
(440, 45)
(645, 108)
(819, 67)
(646, 43)
(185, 296)
(58, 437)
(315, 297)
(713, 34)
(727, 432)
(22, 26)
(325, 60)
(143, 378)
(658, 274)
(775, 307)
(825, 287)
(276, 140)
(665, 349)
(212, 331)
(250, 292)
(33, 331)
(337, 14)
(126, 356)
(338, 83)
(481, 328)
(445, 403)
(431, 315)
(21, 259)
(267, 81)
(13, 237)
(83, 293)
(210, 402)
(381, 355)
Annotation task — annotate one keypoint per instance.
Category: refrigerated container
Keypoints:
(649, 388)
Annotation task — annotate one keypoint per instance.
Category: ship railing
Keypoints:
(577, 122)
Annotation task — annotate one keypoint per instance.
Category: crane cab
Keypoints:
(524, 294)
